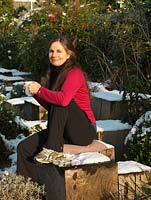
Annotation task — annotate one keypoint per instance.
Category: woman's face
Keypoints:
(57, 54)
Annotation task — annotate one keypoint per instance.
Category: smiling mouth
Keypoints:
(54, 60)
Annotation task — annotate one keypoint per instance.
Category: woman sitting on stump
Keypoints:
(71, 124)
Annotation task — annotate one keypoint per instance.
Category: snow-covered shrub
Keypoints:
(4, 153)
(138, 141)
(17, 91)
(9, 125)
(19, 188)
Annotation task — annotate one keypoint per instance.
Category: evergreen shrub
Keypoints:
(138, 141)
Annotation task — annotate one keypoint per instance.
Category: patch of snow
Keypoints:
(99, 91)
(12, 145)
(32, 101)
(8, 88)
(127, 167)
(21, 100)
(31, 124)
(14, 72)
(18, 73)
(141, 127)
(18, 83)
(84, 159)
(10, 78)
(91, 157)
(111, 125)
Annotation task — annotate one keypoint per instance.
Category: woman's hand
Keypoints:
(34, 87)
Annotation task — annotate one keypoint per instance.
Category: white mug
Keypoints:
(27, 85)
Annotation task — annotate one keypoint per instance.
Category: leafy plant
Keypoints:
(137, 105)
(105, 34)
(138, 141)
(30, 39)
(6, 6)
(5, 152)
(17, 91)
(8, 123)
(15, 187)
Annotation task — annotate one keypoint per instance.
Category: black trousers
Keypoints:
(65, 125)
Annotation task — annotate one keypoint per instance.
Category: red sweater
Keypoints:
(74, 87)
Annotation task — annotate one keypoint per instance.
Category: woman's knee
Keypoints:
(25, 145)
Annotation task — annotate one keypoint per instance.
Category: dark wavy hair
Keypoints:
(71, 61)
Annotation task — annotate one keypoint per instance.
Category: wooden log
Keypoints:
(18, 108)
(90, 179)
(132, 181)
(33, 111)
(109, 151)
(116, 138)
(113, 132)
(26, 107)
(97, 181)
(104, 109)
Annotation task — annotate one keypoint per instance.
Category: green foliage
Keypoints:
(4, 153)
(15, 187)
(105, 34)
(138, 142)
(6, 6)
(137, 105)
(17, 91)
(2, 91)
(31, 38)
(8, 48)
(122, 38)
(8, 123)
(33, 53)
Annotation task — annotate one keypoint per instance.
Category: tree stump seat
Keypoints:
(90, 179)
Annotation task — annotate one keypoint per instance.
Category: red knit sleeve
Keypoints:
(68, 90)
